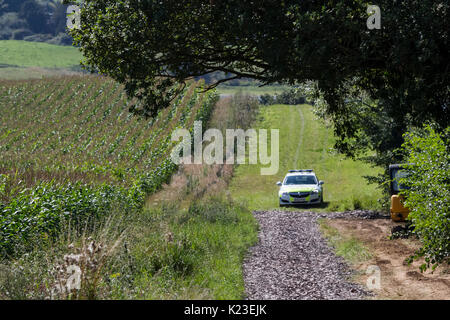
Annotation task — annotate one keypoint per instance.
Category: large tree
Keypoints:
(402, 68)
(35, 15)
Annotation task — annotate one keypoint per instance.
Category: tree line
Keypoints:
(34, 20)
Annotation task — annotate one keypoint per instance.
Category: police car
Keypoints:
(300, 187)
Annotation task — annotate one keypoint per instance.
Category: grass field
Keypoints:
(37, 54)
(305, 143)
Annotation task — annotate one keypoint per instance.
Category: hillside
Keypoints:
(22, 60)
(17, 53)
(34, 20)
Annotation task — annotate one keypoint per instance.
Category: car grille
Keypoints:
(299, 194)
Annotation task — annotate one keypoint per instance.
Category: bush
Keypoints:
(267, 99)
(429, 194)
(290, 97)
(20, 34)
(38, 214)
(38, 37)
(62, 39)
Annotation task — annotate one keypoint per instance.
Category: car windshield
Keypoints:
(398, 175)
(291, 180)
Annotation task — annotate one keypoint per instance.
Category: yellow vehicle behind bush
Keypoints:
(399, 212)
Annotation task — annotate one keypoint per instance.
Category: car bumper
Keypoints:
(300, 201)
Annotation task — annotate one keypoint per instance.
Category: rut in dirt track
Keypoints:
(293, 261)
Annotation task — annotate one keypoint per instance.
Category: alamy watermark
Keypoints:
(374, 20)
(374, 279)
(73, 17)
(208, 148)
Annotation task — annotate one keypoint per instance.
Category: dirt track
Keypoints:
(293, 261)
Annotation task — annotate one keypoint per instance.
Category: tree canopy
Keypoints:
(34, 20)
(402, 68)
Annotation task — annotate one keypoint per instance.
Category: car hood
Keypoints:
(299, 188)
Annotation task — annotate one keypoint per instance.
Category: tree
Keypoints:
(402, 69)
(12, 5)
(3, 7)
(35, 15)
(58, 20)
(428, 195)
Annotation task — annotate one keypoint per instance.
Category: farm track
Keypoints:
(292, 261)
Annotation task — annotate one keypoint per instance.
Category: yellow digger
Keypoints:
(399, 212)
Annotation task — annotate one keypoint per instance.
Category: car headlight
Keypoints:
(315, 191)
(285, 196)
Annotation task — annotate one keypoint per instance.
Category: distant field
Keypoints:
(37, 54)
(25, 73)
(305, 143)
(255, 90)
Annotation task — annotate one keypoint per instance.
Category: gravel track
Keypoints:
(292, 261)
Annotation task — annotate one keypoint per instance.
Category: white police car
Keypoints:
(300, 187)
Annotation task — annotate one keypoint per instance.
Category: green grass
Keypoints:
(347, 247)
(206, 259)
(15, 53)
(305, 143)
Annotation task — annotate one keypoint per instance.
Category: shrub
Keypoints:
(267, 99)
(291, 97)
(429, 195)
(37, 37)
(20, 34)
(38, 214)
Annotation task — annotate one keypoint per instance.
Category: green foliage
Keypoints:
(214, 210)
(290, 97)
(429, 195)
(35, 15)
(278, 42)
(44, 20)
(156, 253)
(371, 85)
(37, 215)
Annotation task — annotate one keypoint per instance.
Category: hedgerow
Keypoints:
(428, 157)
